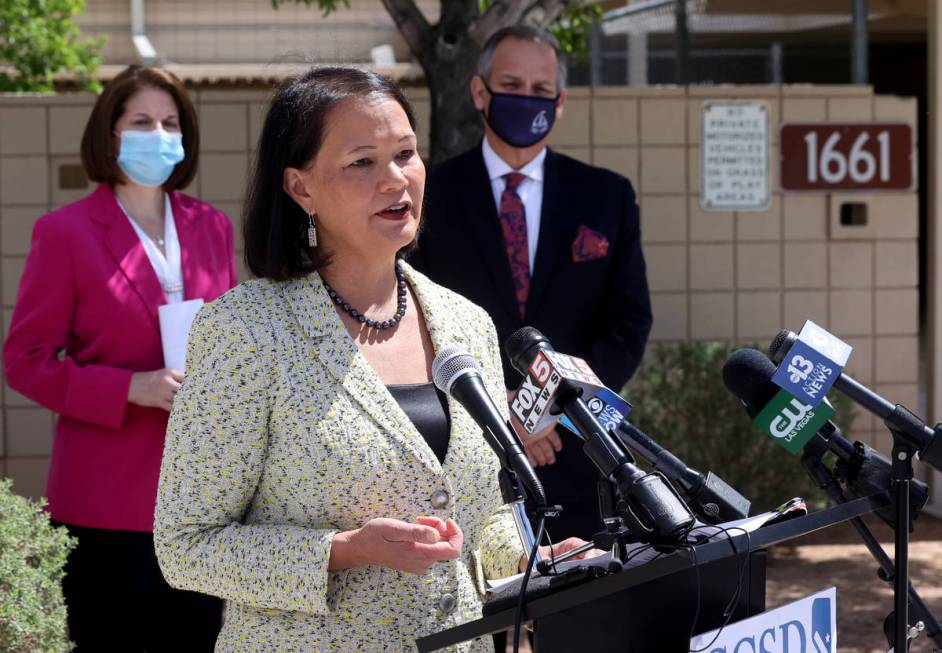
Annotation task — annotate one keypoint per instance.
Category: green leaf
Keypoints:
(327, 7)
(39, 39)
(574, 26)
(32, 557)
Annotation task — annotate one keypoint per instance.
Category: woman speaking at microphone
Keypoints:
(313, 476)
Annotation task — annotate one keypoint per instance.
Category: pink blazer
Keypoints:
(85, 319)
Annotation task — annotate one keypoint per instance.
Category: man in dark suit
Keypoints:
(538, 238)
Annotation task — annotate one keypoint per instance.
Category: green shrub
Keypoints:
(679, 399)
(40, 39)
(32, 555)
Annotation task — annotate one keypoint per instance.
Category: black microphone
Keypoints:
(748, 374)
(712, 498)
(456, 373)
(927, 441)
(652, 510)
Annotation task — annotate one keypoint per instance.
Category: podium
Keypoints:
(651, 607)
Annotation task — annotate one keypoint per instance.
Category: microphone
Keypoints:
(457, 373)
(925, 440)
(651, 507)
(714, 500)
(748, 373)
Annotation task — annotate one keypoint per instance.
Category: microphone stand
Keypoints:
(512, 493)
(614, 538)
(902, 474)
(823, 477)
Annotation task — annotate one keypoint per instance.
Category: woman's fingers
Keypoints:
(400, 531)
(452, 539)
(454, 534)
(434, 522)
(439, 551)
(411, 547)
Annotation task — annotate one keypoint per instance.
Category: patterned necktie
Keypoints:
(513, 222)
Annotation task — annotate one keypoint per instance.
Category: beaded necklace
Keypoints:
(375, 324)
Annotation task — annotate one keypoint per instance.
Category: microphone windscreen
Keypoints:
(520, 347)
(747, 374)
(451, 363)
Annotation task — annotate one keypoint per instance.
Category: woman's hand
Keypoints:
(560, 548)
(397, 544)
(155, 389)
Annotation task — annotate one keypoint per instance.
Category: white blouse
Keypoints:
(167, 267)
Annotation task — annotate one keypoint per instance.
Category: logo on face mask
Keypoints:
(540, 124)
(520, 120)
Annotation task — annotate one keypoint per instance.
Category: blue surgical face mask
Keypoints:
(520, 120)
(148, 158)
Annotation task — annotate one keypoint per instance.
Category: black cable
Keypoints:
(518, 617)
(635, 553)
(737, 592)
(696, 612)
(552, 559)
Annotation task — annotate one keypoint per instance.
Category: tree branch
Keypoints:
(458, 12)
(412, 25)
(500, 14)
(543, 13)
(503, 13)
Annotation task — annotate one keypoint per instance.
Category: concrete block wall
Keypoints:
(247, 31)
(736, 276)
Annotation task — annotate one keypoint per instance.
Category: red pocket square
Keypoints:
(589, 245)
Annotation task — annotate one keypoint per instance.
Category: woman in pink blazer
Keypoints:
(85, 342)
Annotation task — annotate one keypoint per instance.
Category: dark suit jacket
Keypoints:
(599, 310)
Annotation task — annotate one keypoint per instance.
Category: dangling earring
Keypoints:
(311, 231)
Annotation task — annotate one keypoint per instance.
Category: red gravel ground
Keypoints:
(836, 556)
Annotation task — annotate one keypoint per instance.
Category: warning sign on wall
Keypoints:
(734, 156)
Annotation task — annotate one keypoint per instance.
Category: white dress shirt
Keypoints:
(167, 267)
(530, 190)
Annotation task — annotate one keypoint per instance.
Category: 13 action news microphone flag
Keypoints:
(812, 365)
(793, 416)
(748, 373)
(926, 440)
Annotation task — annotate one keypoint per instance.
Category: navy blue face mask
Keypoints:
(520, 120)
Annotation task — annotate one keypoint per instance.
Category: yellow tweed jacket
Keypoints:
(283, 434)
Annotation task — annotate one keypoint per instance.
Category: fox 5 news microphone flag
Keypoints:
(548, 369)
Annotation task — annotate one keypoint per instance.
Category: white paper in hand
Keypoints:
(175, 321)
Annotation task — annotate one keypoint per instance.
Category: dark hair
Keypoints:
(274, 226)
(98, 156)
(524, 33)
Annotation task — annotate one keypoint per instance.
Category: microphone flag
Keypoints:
(609, 409)
(790, 422)
(548, 369)
(812, 365)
